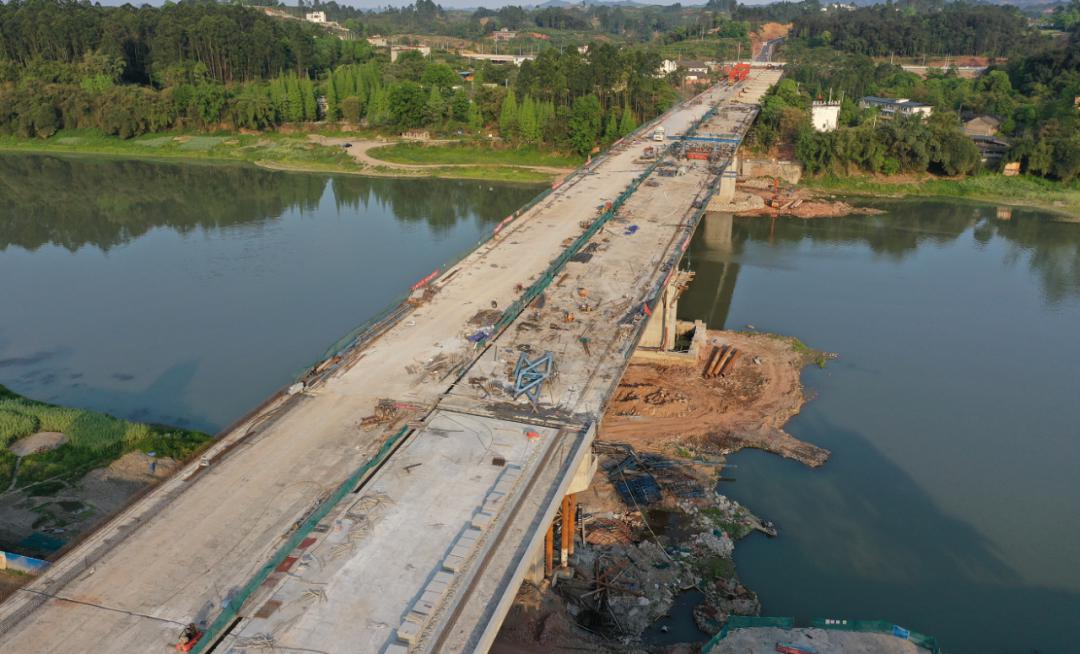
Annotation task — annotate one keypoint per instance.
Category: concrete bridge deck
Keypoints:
(197, 548)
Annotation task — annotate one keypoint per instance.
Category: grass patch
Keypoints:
(291, 152)
(1020, 191)
(94, 440)
(719, 519)
(296, 150)
(46, 489)
(472, 154)
(808, 354)
(715, 568)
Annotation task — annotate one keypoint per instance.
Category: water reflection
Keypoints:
(72, 201)
(1049, 245)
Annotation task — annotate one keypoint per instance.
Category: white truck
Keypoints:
(658, 134)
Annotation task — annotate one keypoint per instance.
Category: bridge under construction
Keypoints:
(395, 499)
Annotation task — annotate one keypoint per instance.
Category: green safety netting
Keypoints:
(230, 610)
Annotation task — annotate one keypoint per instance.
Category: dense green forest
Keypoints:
(198, 64)
(909, 30)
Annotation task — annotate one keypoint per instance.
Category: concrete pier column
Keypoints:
(571, 523)
(549, 553)
(725, 193)
(660, 331)
(565, 533)
(717, 231)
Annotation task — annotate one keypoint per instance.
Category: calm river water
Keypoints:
(187, 293)
(951, 504)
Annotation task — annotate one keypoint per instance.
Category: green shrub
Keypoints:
(14, 425)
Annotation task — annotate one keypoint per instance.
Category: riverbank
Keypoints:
(1023, 191)
(654, 568)
(64, 470)
(299, 152)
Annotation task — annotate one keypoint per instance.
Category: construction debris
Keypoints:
(386, 411)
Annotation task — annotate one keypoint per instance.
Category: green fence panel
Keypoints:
(230, 612)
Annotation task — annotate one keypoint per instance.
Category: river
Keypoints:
(187, 293)
(950, 504)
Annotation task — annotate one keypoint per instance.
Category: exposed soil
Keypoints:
(661, 406)
(801, 203)
(767, 32)
(539, 622)
(59, 512)
(10, 582)
(43, 441)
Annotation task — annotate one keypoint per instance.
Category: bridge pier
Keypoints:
(725, 193)
(543, 566)
(662, 329)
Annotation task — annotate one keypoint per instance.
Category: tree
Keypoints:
(440, 75)
(310, 103)
(508, 117)
(294, 100)
(627, 124)
(611, 132)
(208, 102)
(475, 120)
(528, 126)
(435, 108)
(406, 104)
(378, 107)
(333, 99)
(459, 106)
(351, 109)
(585, 119)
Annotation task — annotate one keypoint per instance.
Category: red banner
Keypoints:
(425, 281)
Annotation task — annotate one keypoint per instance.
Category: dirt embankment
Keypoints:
(662, 405)
(798, 202)
(767, 32)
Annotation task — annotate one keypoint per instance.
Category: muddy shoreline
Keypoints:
(754, 198)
